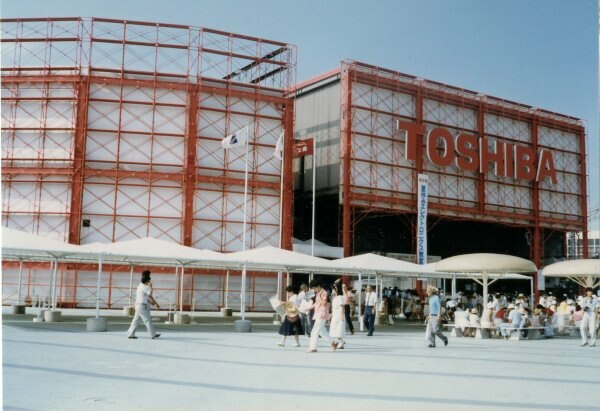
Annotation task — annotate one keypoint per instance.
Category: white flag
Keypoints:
(236, 139)
(278, 153)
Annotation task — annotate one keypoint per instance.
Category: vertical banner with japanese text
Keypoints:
(422, 192)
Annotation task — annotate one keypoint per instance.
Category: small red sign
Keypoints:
(303, 148)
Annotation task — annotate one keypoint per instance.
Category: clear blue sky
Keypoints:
(539, 52)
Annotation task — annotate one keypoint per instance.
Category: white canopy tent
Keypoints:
(150, 251)
(275, 260)
(469, 276)
(585, 272)
(23, 246)
(321, 249)
(377, 265)
(479, 266)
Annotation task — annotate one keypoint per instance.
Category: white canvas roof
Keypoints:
(19, 244)
(485, 263)
(277, 259)
(378, 264)
(150, 250)
(462, 276)
(585, 272)
(569, 268)
(321, 249)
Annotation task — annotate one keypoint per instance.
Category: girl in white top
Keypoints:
(487, 320)
(337, 328)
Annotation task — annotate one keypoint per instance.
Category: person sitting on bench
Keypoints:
(473, 323)
(515, 321)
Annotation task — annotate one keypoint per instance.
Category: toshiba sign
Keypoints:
(470, 153)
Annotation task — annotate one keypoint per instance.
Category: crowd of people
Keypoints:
(505, 313)
(309, 308)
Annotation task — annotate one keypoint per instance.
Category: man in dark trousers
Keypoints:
(434, 318)
(143, 295)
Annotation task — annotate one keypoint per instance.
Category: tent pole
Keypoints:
(453, 286)
(485, 287)
(314, 187)
(243, 291)
(360, 322)
(287, 279)
(54, 284)
(176, 288)
(98, 286)
(532, 302)
(50, 295)
(131, 285)
(227, 289)
(279, 283)
(20, 279)
(181, 290)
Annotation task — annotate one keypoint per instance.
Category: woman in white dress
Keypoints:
(337, 328)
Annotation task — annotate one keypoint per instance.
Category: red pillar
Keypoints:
(190, 164)
(83, 89)
(347, 140)
(584, 207)
(418, 170)
(288, 175)
(537, 244)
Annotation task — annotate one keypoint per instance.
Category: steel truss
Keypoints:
(376, 176)
(111, 131)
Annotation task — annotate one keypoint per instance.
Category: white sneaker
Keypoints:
(593, 345)
(296, 345)
(280, 344)
(584, 344)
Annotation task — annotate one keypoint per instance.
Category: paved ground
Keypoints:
(208, 367)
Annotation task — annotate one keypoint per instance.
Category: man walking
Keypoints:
(305, 317)
(143, 294)
(347, 300)
(321, 306)
(588, 323)
(434, 318)
(370, 307)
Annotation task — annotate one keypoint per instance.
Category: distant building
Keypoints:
(575, 245)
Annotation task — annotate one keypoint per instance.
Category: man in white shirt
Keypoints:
(370, 309)
(143, 295)
(588, 305)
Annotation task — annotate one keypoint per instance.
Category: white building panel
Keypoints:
(167, 229)
(449, 114)
(101, 150)
(208, 234)
(166, 201)
(559, 139)
(103, 115)
(507, 127)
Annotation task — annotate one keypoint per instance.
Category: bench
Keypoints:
(480, 332)
(533, 333)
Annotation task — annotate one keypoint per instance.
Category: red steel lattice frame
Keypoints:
(144, 117)
(361, 148)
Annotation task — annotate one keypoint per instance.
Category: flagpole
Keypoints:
(314, 184)
(279, 274)
(243, 296)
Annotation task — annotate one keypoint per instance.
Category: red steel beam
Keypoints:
(53, 171)
(392, 85)
(288, 175)
(468, 212)
(584, 206)
(255, 94)
(79, 144)
(537, 245)
(347, 211)
(190, 165)
(481, 132)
